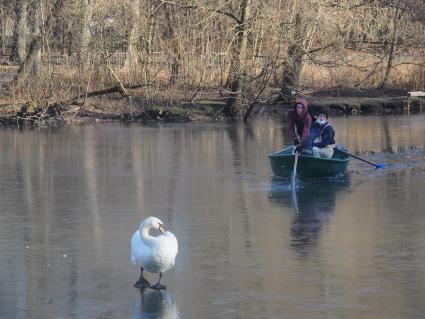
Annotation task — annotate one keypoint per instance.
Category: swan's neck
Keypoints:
(144, 233)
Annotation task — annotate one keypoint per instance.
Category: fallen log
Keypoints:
(114, 89)
(52, 113)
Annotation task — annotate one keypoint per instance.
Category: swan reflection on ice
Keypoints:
(156, 304)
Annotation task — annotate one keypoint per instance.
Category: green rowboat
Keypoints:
(282, 163)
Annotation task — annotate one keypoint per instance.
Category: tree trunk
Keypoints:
(3, 36)
(132, 58)
(19, 46)
(176, 56)
(85, 36)
(386, 81)
(36, 10)
(26, 66)
(35, 47)
(293, 64)
(238, 61)
(149, 44)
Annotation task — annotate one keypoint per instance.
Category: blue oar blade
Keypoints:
(379, 165)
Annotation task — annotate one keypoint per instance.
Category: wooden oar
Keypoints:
(378, 165)
(295, 199)
(294, 173)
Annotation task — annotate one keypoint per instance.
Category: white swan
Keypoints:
(156, 254)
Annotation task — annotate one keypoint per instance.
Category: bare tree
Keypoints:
(35, 45)
(396, 18)
(36, 25)
(19, 48)
(239, 53)
(306, 19)
(85, 33)
(6, 17)
(133, 35)
(170, 18)
(292, 63)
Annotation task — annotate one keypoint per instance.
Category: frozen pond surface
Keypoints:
(70, 199)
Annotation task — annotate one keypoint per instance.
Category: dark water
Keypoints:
(353, 247)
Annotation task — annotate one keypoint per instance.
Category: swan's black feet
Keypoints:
(158, 286)
(142, 283)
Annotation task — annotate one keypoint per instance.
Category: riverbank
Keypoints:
(137, 108)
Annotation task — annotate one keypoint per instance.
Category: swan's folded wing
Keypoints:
(172, 243)
(136, 248)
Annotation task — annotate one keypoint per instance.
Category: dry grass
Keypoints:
(366, 72)
(62, 82)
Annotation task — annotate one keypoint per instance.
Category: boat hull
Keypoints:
(282, 163)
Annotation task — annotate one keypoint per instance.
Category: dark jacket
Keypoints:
(326, 132)
(301, 124)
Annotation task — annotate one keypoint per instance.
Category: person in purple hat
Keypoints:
(299, 123)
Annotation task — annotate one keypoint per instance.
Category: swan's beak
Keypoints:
(162, 229)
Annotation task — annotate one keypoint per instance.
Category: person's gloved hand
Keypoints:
(298, 148)
(296, 141)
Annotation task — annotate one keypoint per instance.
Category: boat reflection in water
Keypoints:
(156, 304)
(314, 203)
